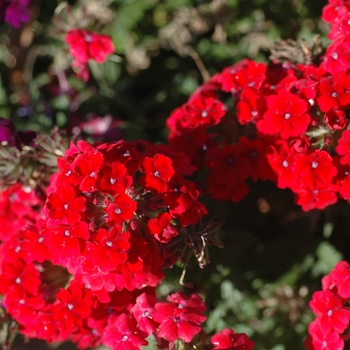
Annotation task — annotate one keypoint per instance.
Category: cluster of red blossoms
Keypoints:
(84, 46)
(332, 310)
(288, 124)
(83, 263)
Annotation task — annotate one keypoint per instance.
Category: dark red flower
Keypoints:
(228, 339)
(161, 227)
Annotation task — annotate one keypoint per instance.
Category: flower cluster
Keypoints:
(288, 124)
(84, 265)
(84, 46)
(332, 310)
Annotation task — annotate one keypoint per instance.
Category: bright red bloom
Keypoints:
(281, 158)
(286, 115)
(228, 339)
(333, 92)
(19, 275)
(324, 337)
(66, 204)
(343, 147)
(315, 169)
(122, 209)
(122, 334)
(85, 45)
(250, 107)
(180, 318)
(203, 111)
(158, 171)
(65, 241)
(337, 57)
(341, 276)
(161, 227)
(109, 248)
(71, 307)
(114, 179)
(143, 312)
(329, 306)
(318, 198)
(87, 165)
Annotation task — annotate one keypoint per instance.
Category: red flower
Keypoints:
(114, 179)
(324, 337)
(110, 248)
(122, 209)
(318, 198)
(65, 241)
(341, 276)
(336, 118)
(161, 228)
(330, 307)
(250, 107)
(85, 45)
(203, 111)
(122, 334)
(66, 204)
(343, 147)
(228, 339)
(71, 307)
(315, 169)
(21, 275)
(158, 171)
(180, 318)
(286, 115)
(143, 312)
(87, 166)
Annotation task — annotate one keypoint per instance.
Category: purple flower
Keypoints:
(17, 12)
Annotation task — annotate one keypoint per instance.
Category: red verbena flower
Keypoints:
(85, 45)
(180, 318)
(228, 339)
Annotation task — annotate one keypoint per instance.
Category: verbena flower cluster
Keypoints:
(328, 330)
(85, 267)
(286, 123)
(82, 260)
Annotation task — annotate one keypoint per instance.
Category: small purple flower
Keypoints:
(17, 12)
